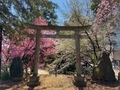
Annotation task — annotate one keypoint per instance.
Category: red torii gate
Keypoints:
(34, 80)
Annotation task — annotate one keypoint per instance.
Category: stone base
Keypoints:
(79, 81)
(34, 81)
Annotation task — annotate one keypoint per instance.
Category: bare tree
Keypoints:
(79, 13)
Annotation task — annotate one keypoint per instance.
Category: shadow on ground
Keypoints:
(60, 82)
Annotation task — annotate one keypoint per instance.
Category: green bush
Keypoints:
(68, 69)
(5, 76)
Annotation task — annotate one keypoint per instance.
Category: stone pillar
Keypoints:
(79, 80)
(34, 79)
(37, 49)
(78, 62)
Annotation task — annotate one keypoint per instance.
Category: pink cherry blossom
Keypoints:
(104, 11)
(26, 47)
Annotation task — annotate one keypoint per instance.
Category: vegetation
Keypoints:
(99, 36)
(5, 76)
(25, 48)
(15, 13)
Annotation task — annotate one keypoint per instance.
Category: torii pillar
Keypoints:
(34, 80)
(79, 80)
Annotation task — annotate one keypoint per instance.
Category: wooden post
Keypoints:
(78, 62)
(37, 49)
(34, 80)
(79, 80)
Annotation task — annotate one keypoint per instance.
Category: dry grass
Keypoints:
(51, 82)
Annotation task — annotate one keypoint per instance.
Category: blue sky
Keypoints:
(61, 7)
(61, 4)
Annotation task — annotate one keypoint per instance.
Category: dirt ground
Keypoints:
(59, 82)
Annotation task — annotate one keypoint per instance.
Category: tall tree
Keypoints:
(76, 11)
(97, 37)
(26, 48)
(14, 13)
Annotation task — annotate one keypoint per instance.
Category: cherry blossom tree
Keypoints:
(26, 47)
(105, 10)
(104, 20)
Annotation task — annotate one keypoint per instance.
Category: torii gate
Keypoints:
(34, 80)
